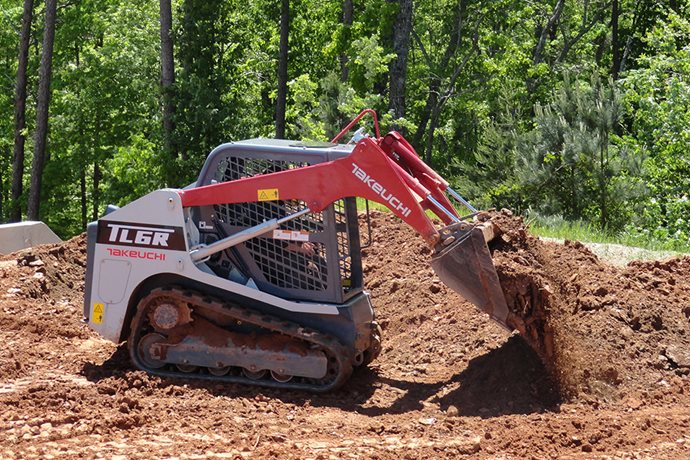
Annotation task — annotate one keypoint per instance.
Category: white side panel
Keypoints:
(161, 210)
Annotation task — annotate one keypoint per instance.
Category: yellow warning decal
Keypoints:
(97, 316)
(267, 194)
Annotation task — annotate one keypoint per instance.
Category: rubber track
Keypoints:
(334, 349)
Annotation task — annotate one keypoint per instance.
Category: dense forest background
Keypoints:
(577, 109)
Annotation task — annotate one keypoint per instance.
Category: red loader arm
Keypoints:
(368, 172)
(386, 170)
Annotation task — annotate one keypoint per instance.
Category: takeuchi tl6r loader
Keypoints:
(253, 274)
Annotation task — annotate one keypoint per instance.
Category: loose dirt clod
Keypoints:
(449, 382)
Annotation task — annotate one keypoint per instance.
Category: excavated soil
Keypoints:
(604, 333)
(602, 371)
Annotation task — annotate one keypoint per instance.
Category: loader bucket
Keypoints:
(465, 266)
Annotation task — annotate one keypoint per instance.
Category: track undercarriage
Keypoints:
(182, 333)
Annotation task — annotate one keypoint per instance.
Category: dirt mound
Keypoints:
(430, 331)
(606, 333)
(42, 292)
(449, 382)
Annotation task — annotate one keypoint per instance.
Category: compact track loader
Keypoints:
(253, 274)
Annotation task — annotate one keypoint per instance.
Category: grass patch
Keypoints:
(558, 228)
(373, 206)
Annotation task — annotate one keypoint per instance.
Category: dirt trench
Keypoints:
(449, 382)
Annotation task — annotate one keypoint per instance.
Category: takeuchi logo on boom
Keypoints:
(380, 190)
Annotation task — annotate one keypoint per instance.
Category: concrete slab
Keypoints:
(20, 235)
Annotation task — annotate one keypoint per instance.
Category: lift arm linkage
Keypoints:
(385, 170)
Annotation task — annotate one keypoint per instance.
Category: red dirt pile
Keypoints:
(604, 332)
(41, 290)
(449, 382)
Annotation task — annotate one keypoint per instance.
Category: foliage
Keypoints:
(512, 101)
(571, 164)
(369, 61)
(10, 22)
(490, 179)
(658, 105)
(104, 97)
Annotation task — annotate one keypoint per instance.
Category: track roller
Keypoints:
(254, 375)
(282, 378)
(187, 368)
(219, 371)
(144, 350)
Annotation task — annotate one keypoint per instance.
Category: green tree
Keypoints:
(657, 98)
(572, 162)
(105, 100)
(484, 96)
(42, 105)
(20, 113)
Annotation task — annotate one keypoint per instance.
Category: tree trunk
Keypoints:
(81, 148)
(574, 199)
(82, 195)
(3, 196)
(348, 11)
(96, 189)
(167, 77)
(435, 77)
(431, 101)
(441, 100)
(615, 45)
(433, 124)
(20, 114)
(96, 192)
(282, 69)
(398, 67)
(538, 54)
(4, 186)
(587, 25)
(42, 105)
(603, 183)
